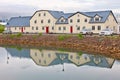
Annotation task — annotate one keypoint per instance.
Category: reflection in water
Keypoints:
(54, 57)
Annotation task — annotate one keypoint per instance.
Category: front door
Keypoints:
(22, 29)
(71, 29)
(47, 30)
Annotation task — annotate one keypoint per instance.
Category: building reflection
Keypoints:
(53, 57)
(47, 57)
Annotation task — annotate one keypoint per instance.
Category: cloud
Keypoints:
(20, 7)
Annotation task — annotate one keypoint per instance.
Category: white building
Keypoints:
(47, 21)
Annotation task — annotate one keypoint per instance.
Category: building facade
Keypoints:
(46, 21)
(19, 24)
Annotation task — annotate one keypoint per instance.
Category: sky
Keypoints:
(11, 8)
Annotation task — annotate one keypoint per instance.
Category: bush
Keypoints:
(63, 37)
(80, 53)
(40, 34)
(2, 28)
(19, 35)
(80, 36)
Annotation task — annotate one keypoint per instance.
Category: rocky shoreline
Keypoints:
(107, 46)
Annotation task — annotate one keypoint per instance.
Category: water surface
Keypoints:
(46, 64)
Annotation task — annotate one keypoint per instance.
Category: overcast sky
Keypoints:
(10, 8)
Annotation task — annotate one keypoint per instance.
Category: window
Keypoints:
(71, 20)
(44, 14)
(15, 28)
(99, 27)
(78, 20)
(64, 28)
(49, 21)
(7, 23)
(83, 27)
(35, 21)
(49, 55)
(44, 61)
(53, 28)
(19, 28)
(113, 27)
(59, 28)
(41, 21)
(93, 27)
(78, 28)
(42, 55)
(96, 19)
(71, 57)
(32, 28)
(36, 28)
(24, 28)
(39, 61)
(42, 28)
(77, 57)
(85, 20)
(62, 20)
(39, 14)
(107, 27)
(35, 54)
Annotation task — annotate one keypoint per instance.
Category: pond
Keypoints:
(51, 64)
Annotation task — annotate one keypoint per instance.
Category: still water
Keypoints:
(46, 64)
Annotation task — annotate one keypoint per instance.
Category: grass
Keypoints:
(80, 53)
(80, 36)
(40, 34)
(63, 37)
(2, 28)
(15, 35)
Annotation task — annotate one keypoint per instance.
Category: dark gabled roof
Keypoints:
(65, 16)
(103, 14)
(19, 22)
(21, 53)
(56, 14)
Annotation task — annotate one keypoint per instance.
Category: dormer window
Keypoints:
(7, 23)
(97, 19)
(62, 20)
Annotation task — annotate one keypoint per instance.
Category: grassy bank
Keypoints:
(109, 46)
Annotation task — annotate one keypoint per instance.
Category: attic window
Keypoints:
(7, 23)
(62, 20)
(96, 19)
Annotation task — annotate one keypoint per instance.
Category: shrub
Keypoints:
(2, 28)
(80, 53)
(40, 34)
(80, 36)
(63, 37)
(19, 35)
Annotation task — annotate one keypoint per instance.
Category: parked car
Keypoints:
(106, 32)
(86, 32)
(7, 32)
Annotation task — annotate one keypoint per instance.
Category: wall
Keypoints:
(38, 16)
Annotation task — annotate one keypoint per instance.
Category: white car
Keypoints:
(106, 32)
(86, 31)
